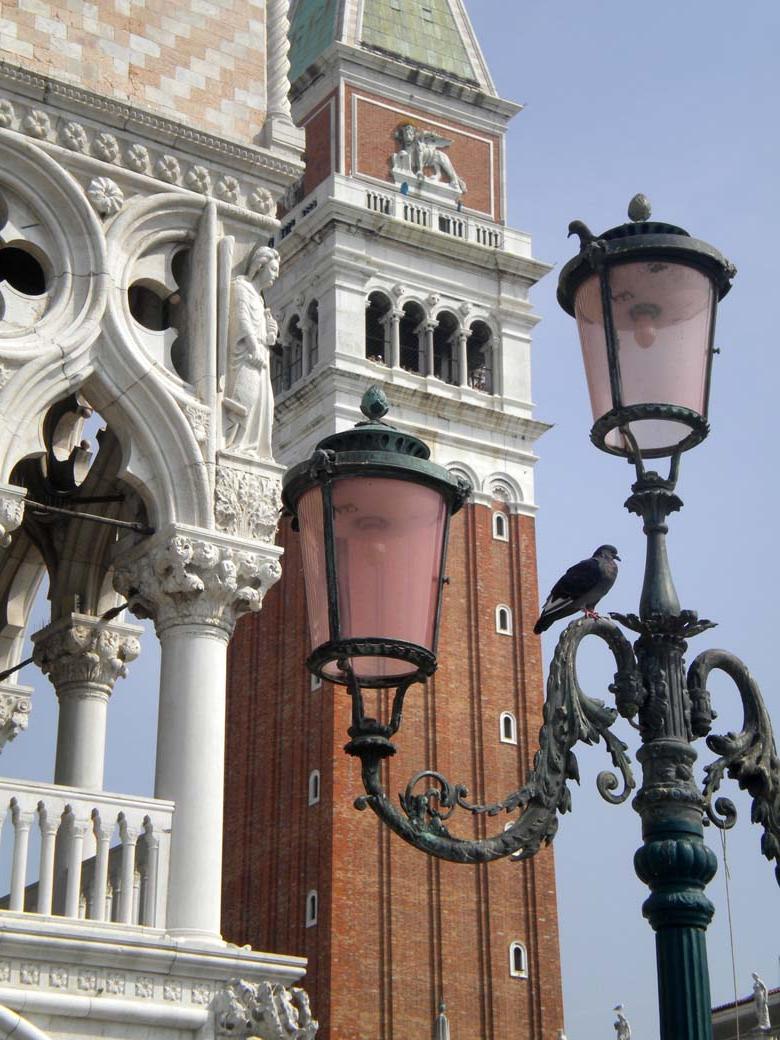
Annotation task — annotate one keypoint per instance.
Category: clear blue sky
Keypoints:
(679, 101)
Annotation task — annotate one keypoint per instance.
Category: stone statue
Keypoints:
(622, 1028)
(761, 1003)
(252, 331)
(422, 150)
(442, 1031)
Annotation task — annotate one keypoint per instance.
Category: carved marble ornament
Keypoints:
(190, 580)
(422, 150)
(82, 652)
(252, 331)
(265, 1011)
(11, 513)
(247, 504)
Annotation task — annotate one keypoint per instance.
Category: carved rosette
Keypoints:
(247, 504)
(265, 1011)
(83, 651)
(11, 512)
(190, 579)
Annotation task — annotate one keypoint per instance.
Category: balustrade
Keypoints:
(102, 857)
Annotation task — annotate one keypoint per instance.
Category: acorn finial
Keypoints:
(639, 208)
(374, 404)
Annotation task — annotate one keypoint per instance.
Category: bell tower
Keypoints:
(398, 268)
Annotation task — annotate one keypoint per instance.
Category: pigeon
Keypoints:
(580, 588)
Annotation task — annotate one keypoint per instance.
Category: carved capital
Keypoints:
(11, 511)
(247, 502)
(15, 708)
(264, 1011)
(190, 576)
(82, 649)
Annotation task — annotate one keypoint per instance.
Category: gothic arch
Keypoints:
(46, 360)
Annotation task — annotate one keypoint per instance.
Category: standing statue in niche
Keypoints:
(252, 331)
(421, 150)
(761, 1003)
(622, 1028)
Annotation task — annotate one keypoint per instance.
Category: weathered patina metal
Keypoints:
(372, 448)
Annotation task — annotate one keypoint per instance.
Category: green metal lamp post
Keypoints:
(374, 512)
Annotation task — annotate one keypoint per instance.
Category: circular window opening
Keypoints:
(148, 307)
(22, 271)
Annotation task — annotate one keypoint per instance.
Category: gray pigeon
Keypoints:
(581, 587)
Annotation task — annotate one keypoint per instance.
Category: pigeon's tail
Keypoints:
(552, 612)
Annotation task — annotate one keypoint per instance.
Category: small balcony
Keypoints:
(92, 856)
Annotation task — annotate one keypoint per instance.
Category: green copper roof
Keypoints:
(313, 30)
(420, 31)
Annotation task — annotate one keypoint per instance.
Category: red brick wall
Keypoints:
(371, 123)
(396, 929)
(320, 127)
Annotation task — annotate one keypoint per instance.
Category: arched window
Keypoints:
(412, 336)
(313, 318)
(507, 728)
(314, 786)
(479, 358)
(311, 907)
(500, 527)
(293, 353)
(518, 960)
(504, 620)
(445, 334)
(378, 310)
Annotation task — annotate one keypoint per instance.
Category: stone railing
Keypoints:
(100, 856)
(390, 202)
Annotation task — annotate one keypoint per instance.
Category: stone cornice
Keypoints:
(341, 57)
(69, 98)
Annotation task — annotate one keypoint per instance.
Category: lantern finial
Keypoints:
(639, 208)
(374, 404)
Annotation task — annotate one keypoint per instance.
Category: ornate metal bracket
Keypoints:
(569, 716)
(749, 757)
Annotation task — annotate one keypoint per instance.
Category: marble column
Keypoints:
(195, 584)
(83, 657)
(463, 374)
(392, 323)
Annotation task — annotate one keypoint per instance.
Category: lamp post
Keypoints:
(373, 514)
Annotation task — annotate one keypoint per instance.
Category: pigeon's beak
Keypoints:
(617, 557)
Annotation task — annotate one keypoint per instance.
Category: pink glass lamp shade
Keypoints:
(373, 513)
(388, 541)
(645, 295)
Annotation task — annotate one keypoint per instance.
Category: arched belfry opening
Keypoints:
(378, 311)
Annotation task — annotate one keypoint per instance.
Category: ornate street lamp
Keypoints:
(644, 295)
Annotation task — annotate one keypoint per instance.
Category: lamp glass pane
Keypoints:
(311, 524)
(662, 313)
(389, 536)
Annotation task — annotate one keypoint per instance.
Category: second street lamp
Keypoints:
(645, 296)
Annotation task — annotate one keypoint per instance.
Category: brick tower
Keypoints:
(398, 268)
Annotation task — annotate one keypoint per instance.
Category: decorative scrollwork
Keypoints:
(749, 757)
(569, 716)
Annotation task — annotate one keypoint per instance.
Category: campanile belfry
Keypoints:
(398, 268)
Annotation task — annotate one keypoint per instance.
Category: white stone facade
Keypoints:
(125, 223)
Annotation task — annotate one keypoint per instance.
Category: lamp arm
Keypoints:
(569, 716)
(749, 757)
